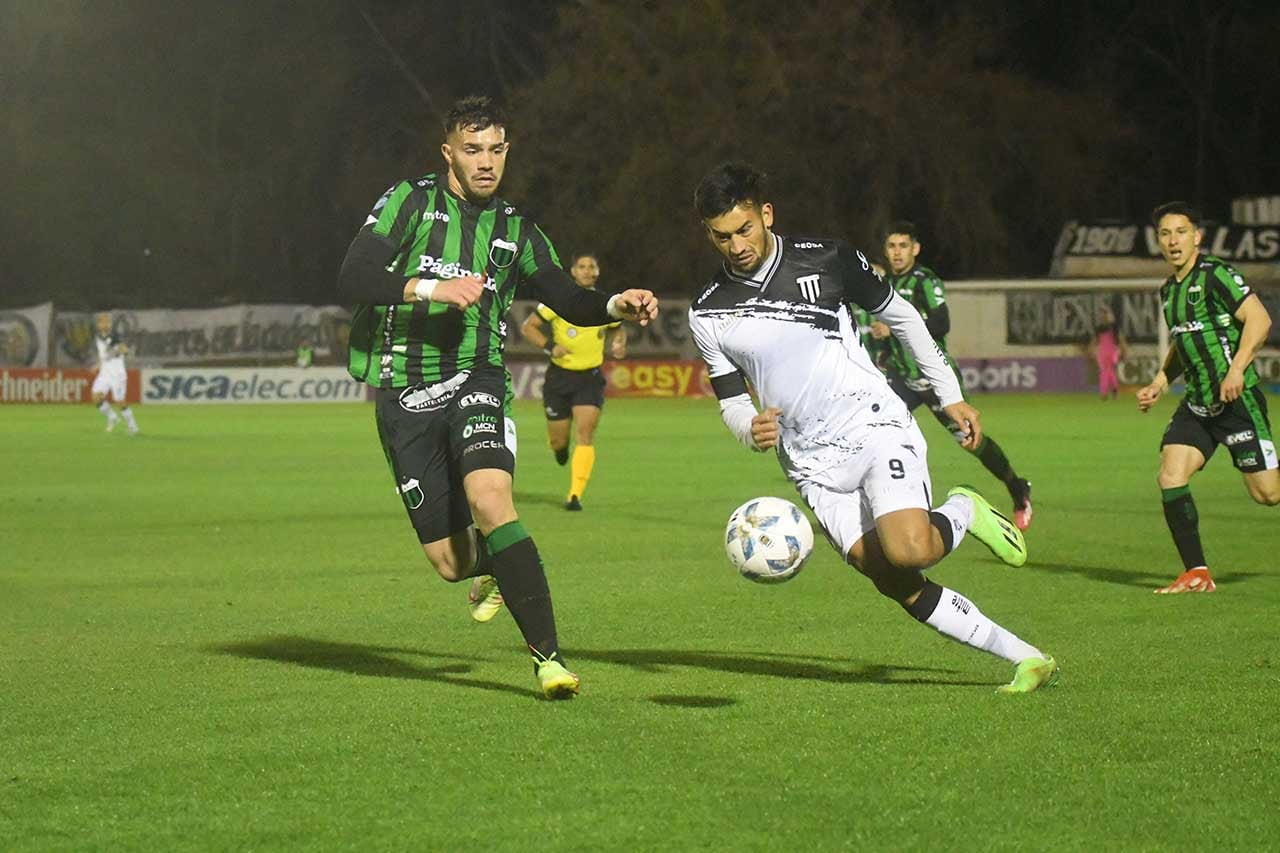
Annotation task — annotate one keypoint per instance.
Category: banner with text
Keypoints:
(24, 336)
(33, 385)
(638, 378)
(1110, 249)
(251, 385)
(1065, 317)
(204, 335)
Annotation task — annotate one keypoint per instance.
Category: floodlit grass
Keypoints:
(221, 634)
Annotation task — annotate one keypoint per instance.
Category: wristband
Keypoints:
(424, 288)
(549, 346)
(612, 307)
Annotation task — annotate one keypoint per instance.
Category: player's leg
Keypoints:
(119, 390)
(1108, 382)
(486, 465)
(1184, 450)
(585, 420)
(587, 401)
(559, 410)
(849, 523)
(994, 460)
(1252, 448)
(99, 393)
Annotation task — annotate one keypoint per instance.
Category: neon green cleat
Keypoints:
(484, 598)
(993, 529)
(557, 682)
(1031, 674)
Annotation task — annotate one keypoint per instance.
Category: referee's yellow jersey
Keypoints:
(584, 345)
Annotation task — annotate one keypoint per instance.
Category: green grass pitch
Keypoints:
(221, 634)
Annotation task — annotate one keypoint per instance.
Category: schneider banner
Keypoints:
(28, 385)
(251, 385)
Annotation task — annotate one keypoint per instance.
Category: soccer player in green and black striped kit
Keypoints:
(433, 272)
(921, 287)
(1216, 327)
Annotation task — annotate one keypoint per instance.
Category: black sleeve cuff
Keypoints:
(364, 279)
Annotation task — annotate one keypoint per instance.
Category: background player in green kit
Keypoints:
(1216, 326)
(921, 287)
(433, 272)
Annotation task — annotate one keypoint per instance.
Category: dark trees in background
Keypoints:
(178, 154)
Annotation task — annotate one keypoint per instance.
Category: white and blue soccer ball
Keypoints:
(768, 540)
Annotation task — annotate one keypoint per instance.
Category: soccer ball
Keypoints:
(768, 540)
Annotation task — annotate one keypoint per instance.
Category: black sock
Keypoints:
(1184, 523)
(994, 460)
(943, 524)
(514, 562)
(562, 455)
(926, 602)
(483, 564)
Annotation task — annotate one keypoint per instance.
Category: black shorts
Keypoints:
(434, 435)
(564, 389)
(1242, 425)
(916, 397)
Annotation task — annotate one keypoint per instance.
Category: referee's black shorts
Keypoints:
(564, 389)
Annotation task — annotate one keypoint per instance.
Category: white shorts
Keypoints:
(889, 473)
(110, 383)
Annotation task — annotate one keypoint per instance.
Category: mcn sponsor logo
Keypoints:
(249, 386)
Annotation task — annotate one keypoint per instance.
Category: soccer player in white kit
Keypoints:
(777, 316)
(112, 379)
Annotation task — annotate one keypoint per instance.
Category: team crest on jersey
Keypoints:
(1195, 294)
(810, 287)
(502, 253)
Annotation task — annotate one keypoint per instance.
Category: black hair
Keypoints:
(1175, 208)
(901, 226)
(474, 112)
(727, 185)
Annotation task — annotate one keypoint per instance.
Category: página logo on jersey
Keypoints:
(502, 253)
(810, 287)
(479, 398)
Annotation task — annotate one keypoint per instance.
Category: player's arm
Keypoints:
(1257, 325)
(532, 330)
(1170, 369)
(938, 315)
(366, 277)
(582, 307)
(1230, 293)
(867, 289)
(618, 342)
(755, 430)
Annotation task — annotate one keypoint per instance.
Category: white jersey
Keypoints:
(788, 331)
(110, 353)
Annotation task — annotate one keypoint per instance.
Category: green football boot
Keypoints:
(1032, 674)
(556, 681)
(994, 529)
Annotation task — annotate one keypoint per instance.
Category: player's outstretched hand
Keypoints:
(966, 417)
(638, 306)
(764, 428)
(880, 331)
(461, 292)
(1148, 395)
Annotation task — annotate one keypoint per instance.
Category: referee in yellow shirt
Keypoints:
(573, 393)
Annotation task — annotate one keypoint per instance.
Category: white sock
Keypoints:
(960, 619)
(106, 409)
(958, 510)
(127, 414)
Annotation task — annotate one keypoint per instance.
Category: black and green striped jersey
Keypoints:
(1200, 313)
(927, 294)
(431, 233)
